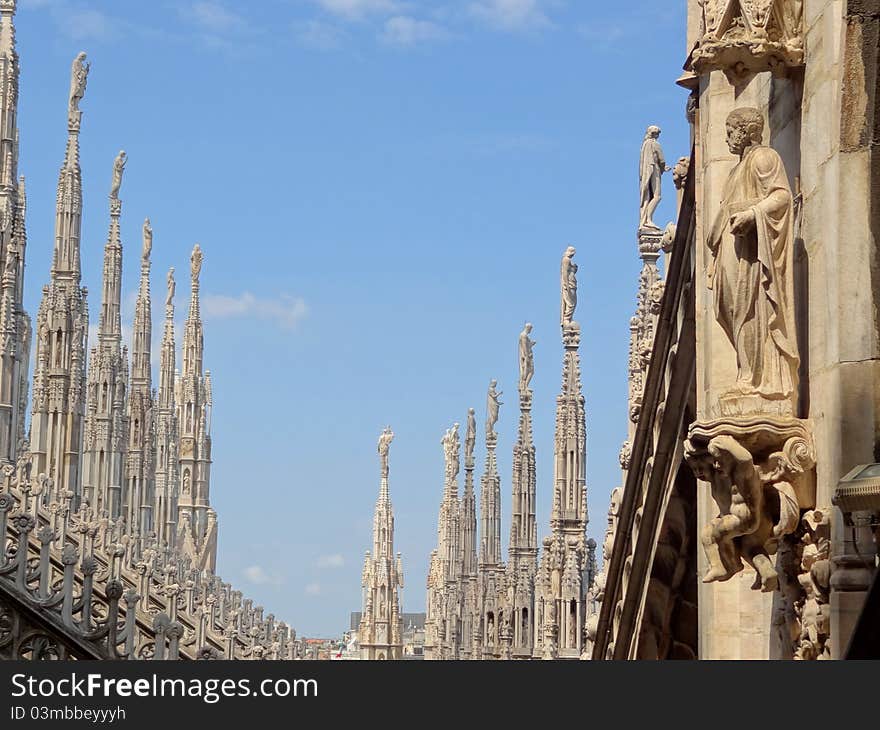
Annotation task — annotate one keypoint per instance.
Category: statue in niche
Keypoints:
(492, 407)
(750, 273)
(652, 165)
(384, 445)
(118, 169)
(186, 484)
(79, 74)
(169, 298)
(470, 438)
(526, 358)
(148, 240)
(568, 283)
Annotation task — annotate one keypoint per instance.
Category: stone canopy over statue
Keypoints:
(751, 272)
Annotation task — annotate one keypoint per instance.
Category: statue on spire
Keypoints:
(384, 444)
(470, 438)
(451, 446)
(652, 165)
(169, 299)
(148, 240)
(526, 358)
(196, 262)
(118, 169)
(79, 74)
(568, 282)
(492, 408)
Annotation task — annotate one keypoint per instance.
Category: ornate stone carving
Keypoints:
(196, 262)
(760, 472)
(526, 358)
(742, 37)
(751, 273)
(652, 165)
(813, 609)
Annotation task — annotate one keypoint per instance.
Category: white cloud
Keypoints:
(313, 589)
(77, 22)
(212, 16)
(285, 310)
(258, 576)
(357, 9)
(511, 15)
(331, 561)
(402, 30)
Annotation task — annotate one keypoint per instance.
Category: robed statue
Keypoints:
(750, 272)
(169, 298)
(470, 438)
(118, 169)
(79, 73)
(568, 284)
(148, 240)
(384, 445)
(652, 165)
(195, 262)
(526, 358)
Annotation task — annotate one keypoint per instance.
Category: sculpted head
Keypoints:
(528, 327)
(570, 252)
(652, 132)
(745, 127)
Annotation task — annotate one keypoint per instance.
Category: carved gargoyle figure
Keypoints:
(758, 503)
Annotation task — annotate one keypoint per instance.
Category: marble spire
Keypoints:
(140, 462)
(59, 391)
(167, 480)
(15, 324)
(105, 438)
(380, 634)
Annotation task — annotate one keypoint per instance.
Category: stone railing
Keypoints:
(75, 585)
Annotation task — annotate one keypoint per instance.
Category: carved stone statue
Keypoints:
(169, 298)
(118, 169)
(196, 262)
(384, 445)
(79, 74)
(568, 283)
(526, 358)
(750, 274)
(148, 240)
(470, 438)
(451, 446)
(652, 165)
(492, 407)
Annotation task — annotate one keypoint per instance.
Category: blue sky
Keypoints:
(383, 191)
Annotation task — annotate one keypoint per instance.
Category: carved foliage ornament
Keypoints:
(741, 37)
